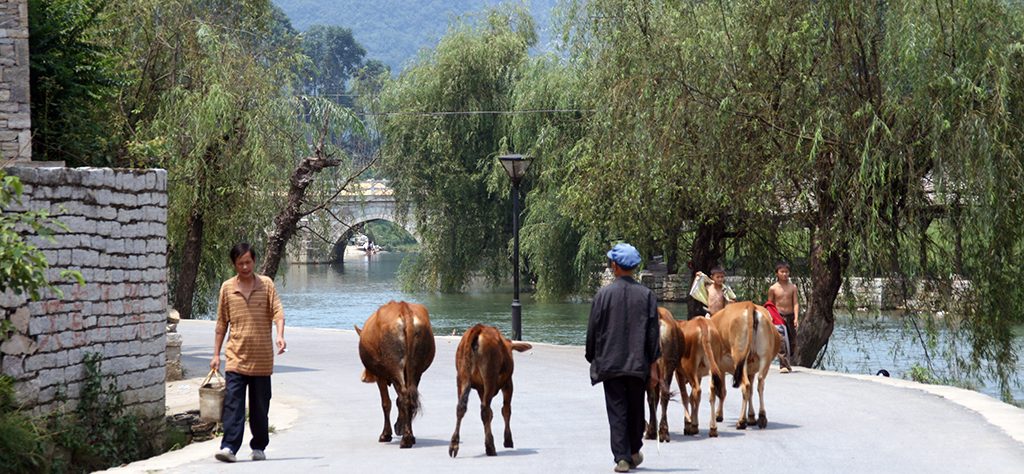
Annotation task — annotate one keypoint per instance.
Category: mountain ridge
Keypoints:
(394, 31)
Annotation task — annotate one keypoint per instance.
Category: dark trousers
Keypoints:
(791, 331)
(233, 415)
(624, 399)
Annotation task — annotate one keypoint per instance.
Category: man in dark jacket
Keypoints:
(622, 342)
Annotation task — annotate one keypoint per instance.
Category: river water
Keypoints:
(325, 296)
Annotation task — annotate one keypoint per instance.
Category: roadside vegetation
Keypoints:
(96, 434)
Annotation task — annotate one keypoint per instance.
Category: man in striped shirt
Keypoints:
(249, 307)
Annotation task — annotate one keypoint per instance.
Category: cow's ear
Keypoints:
(359, 332)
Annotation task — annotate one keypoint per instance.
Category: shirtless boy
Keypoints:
(785, 296)
(719, 294)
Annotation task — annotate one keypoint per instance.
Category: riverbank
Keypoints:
(818, 422)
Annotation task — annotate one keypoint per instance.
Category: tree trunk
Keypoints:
(287, 219)
(705, 252)
(671, 259)
(828, 261)
(185, 288)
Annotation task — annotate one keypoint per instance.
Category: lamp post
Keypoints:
(515, 166)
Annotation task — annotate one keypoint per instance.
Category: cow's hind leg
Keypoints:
(741, 422)
(404, 424)
(751, 419)
(663, 435)
(762, 416)
(691, 427)
(652, 407)
(460, 411)
(713, 428)
(506, 412)
(486, 415)
(385, 403)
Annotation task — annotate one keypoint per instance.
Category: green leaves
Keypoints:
(444, 164)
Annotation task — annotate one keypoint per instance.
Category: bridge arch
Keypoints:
(372, 200)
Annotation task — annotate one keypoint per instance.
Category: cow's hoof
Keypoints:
(719, 418)
(713, 433)
(741, 425)
(664, 437)
(690, 430)
(762, 421)
(490, 450)
(384, 438)
(407, 441)
(453, 449)
(649, 434)
(508, 443)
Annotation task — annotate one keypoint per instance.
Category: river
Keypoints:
(325, 296)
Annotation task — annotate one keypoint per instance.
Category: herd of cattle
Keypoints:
(396, 345)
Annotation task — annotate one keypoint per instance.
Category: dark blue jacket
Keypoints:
(623, 332)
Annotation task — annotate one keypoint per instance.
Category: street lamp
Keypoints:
(515, 166)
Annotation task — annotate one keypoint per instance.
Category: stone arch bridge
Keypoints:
(371, 200)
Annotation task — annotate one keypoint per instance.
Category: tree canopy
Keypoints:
(853, 139)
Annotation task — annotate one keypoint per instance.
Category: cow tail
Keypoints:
(716, 373)
(410, 340)
(741, 365)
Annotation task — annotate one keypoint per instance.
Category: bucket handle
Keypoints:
(211, 374)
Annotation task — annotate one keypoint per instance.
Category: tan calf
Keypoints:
(702, 351)
(750, 342)
(483, 362)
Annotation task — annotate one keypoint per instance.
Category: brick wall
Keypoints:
(117, 239)
(15, 118)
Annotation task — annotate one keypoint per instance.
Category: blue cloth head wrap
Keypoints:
(625, 256)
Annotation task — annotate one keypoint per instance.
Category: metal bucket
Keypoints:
(211, 397)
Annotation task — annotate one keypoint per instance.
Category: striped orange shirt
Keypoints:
(250, 344)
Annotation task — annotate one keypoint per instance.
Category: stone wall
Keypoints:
(15, 118)
(116, 238)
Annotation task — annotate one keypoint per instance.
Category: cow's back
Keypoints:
(397, 341)
(483, 355)
(734, 323)
(420, 339)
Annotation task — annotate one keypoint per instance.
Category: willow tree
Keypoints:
(670, 160)
(860, 122)
(443, 129)
(209, 102)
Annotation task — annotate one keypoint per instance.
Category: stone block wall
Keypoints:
(116, 237)
(15, 117)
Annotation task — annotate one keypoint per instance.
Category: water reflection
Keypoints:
(335, 297)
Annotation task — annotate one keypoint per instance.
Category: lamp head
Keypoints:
(515, 166)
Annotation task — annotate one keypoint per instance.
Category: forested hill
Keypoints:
(393, 31)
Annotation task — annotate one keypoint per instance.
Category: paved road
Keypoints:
(328, 421)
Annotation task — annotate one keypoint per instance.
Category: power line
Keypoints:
(477, 112)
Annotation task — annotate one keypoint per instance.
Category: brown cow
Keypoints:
(483, 362)
(750, 343)
(702, 349)
(658, 388)
(396, 346)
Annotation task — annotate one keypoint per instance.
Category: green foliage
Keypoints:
(395, 31)
(19, 440)
(99, 433)
(96, 435)
(389, 235)
(215, 109)
(922, 375)
(22, 265)
(335, 56)
(445, 165)
(74, 82)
